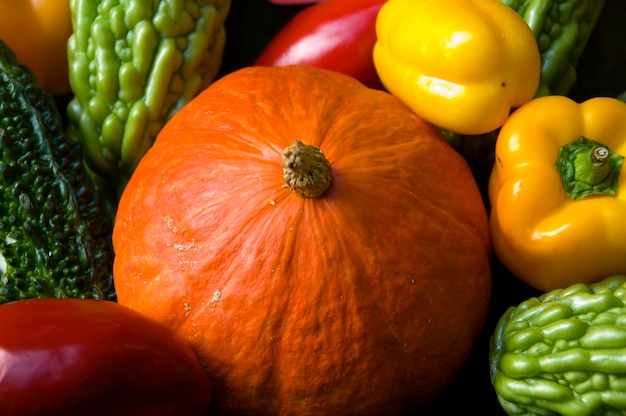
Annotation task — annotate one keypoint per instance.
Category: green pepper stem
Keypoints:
(592, 166)
(588, 168)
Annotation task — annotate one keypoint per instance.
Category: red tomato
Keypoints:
(333, 34)
(94, 357)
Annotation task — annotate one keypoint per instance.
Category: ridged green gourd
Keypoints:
(564, 352)
(132, 65)
(54, 241)
(562, 29)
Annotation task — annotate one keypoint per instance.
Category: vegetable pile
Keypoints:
(312, 207)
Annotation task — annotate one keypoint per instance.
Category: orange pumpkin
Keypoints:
(363, 298)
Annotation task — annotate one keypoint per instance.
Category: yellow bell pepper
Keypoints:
(459, 64)
(37, 32)
(558, 201)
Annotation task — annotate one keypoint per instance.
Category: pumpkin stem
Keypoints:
(305, 169)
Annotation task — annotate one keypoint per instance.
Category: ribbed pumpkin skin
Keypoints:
(360, 302)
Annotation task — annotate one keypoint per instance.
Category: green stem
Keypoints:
(588, 168)
(592, 166)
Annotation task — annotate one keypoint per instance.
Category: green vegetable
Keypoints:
(54, 241)
(132, 65)
(564, 352)
(588, 168)
(562, 29)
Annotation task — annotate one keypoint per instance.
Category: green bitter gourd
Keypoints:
(54, 241)
(564, 352)
(132, 65)
(562, 29)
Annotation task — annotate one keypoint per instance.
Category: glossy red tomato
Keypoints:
(94, 357)
(333, 34)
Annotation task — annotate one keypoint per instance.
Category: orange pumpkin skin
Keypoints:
(363, 301)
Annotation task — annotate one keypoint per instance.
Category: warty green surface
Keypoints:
(132, 65)
(53, 239)
(564, 352)
(562, 29)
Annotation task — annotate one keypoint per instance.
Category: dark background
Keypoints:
(601, 71)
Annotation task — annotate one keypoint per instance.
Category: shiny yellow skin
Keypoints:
(540, 234)
(37, 32)
(459, 64)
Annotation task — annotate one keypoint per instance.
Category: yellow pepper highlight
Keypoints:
(544, 235)
(37, 32)
(459, 64)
